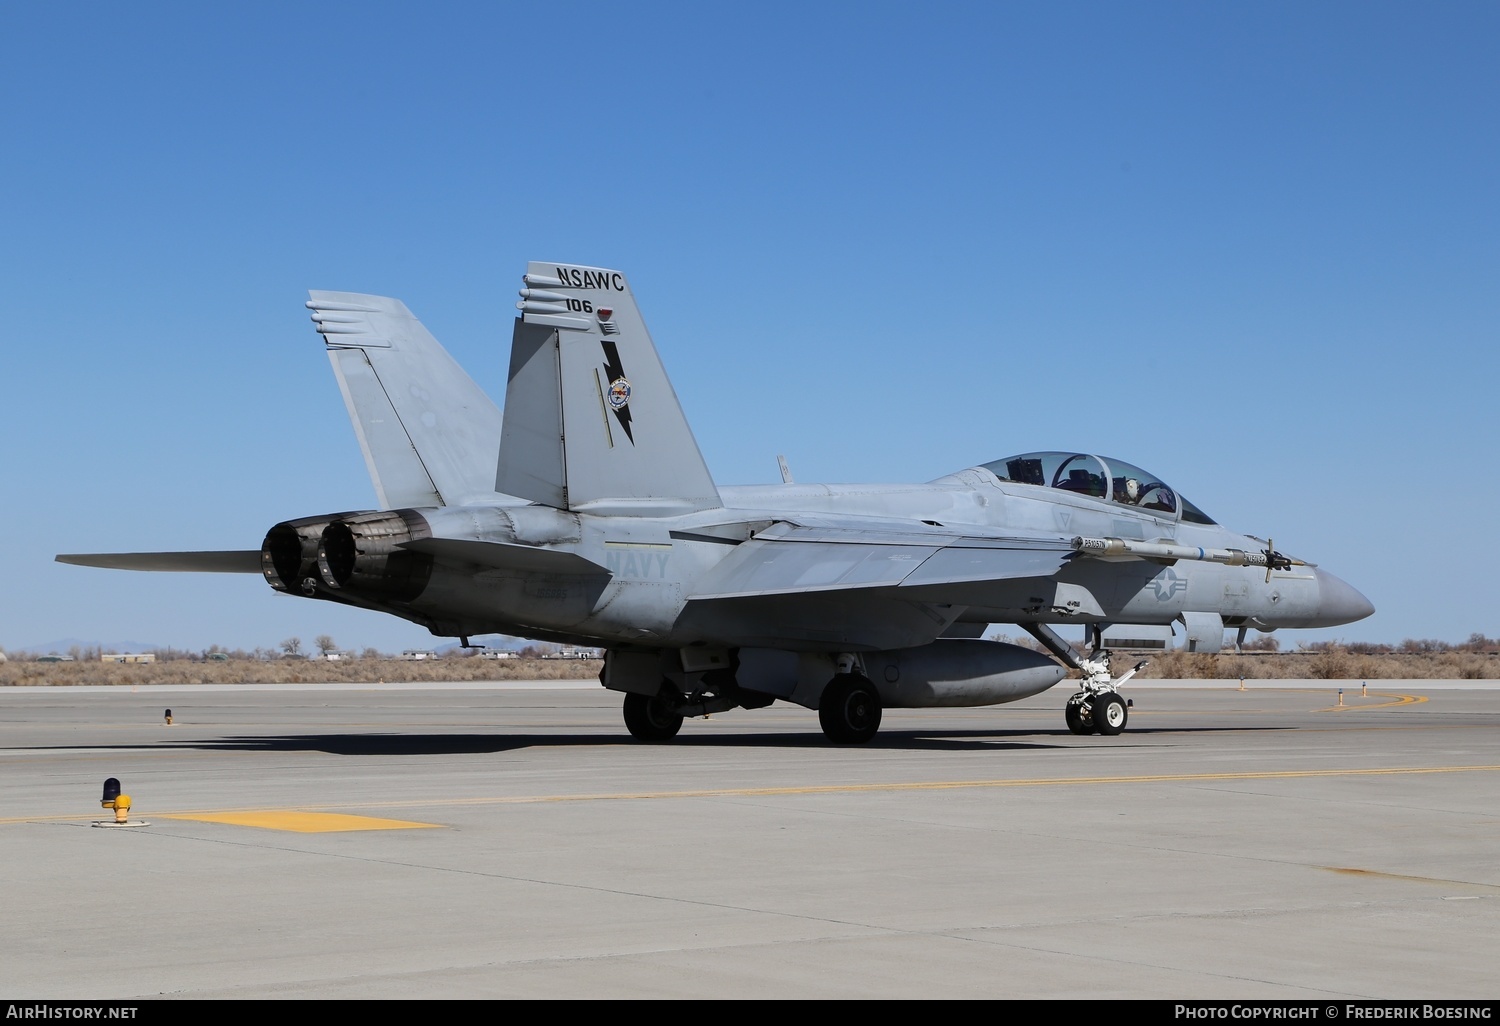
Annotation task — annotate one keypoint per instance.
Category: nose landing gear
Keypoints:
(1098, 708)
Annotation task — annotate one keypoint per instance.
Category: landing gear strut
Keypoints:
(1098, 707)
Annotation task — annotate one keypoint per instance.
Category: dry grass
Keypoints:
(1333, 663)
(294, 671)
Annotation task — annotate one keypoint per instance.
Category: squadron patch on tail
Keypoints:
(618, 395)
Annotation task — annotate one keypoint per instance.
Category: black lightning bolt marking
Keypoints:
(614, 370)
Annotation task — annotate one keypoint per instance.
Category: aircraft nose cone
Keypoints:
(1338, 603)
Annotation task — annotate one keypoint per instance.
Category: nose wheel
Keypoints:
(1079, 714)
(1110, 714)
(1105, 713)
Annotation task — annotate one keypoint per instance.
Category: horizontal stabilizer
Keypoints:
(504, 556)
(233, 562)
(788, 559)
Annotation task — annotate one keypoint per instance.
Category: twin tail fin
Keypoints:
(591, 422)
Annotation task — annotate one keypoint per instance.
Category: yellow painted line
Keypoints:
(240, 815)
(954, 785)
(1399, 700)
(1377, 874)
(300, 822)
(941, 785)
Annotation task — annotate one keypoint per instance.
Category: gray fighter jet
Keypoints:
(585, 515)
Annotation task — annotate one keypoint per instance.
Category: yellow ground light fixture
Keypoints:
(113, 799)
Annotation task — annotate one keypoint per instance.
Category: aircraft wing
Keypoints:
(790, 559)
(245, 561)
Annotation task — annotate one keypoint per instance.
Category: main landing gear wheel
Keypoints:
(849, 709)
(1110, 713)
(1079, 716)
(650, 717)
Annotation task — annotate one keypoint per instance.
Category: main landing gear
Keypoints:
(656, 718)
(652, 717)
(849, 709)
(1098, 707)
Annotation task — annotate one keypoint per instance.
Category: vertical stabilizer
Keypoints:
(428, 432)
(591, 421)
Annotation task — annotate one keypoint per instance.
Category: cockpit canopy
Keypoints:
(1101, 477)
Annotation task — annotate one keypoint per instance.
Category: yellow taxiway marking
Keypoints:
(955, 785)
(277, 819)
(1377, 874)
(301, 822)
(1396, 700)
(935, 785)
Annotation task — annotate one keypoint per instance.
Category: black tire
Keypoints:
(650, 717)
(1110, 714)
(1077, 715)
(849, 710)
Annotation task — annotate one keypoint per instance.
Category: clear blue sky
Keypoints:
(1250, 247)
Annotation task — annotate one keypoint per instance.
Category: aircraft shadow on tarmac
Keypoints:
(382, 744)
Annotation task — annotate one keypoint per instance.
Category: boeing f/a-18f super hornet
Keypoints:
(603, 527)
